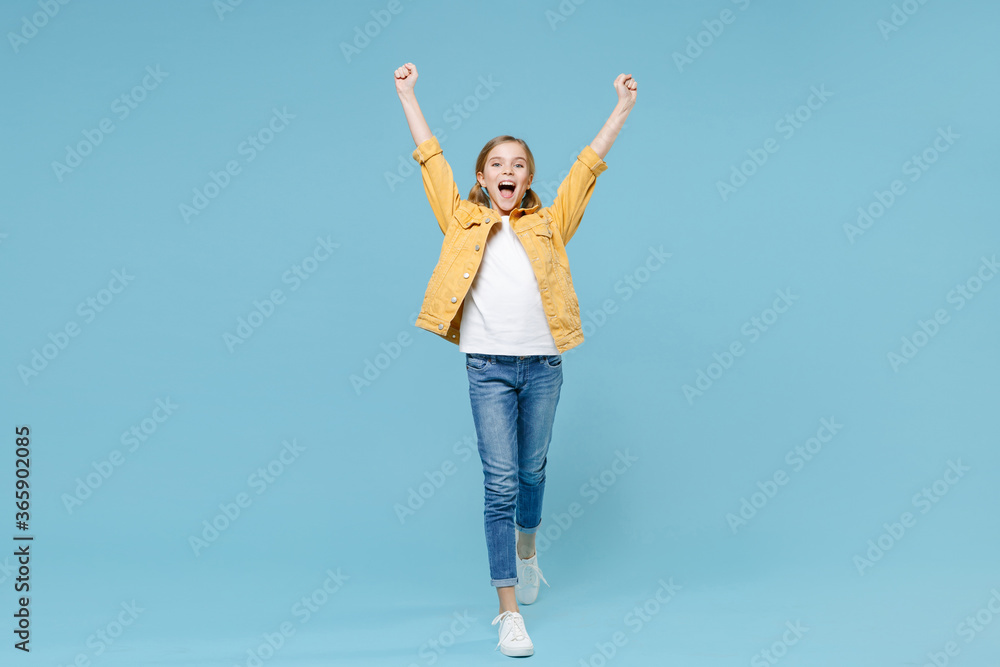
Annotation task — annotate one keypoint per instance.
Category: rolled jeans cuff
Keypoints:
(526, 531)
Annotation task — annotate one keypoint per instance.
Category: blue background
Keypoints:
(407, 435)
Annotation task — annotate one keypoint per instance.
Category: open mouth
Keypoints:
(506, 189)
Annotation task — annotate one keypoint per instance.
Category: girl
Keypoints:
(502, 292)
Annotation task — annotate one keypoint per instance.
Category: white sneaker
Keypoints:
(514, 640)
(528, 574)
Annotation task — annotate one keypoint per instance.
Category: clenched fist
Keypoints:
(406, 77)
(626, 87)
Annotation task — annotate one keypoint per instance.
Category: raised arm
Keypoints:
(406, 78)
(439, 182)
(574, 192)
(626, 87)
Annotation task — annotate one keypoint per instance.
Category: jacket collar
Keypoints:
(479, 215)
(523, 211)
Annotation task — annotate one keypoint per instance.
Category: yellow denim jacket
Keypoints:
(544, 233)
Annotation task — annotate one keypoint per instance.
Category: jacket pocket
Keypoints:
(543, 229)
(555, 269)
(461, 218)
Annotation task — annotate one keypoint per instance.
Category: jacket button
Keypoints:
(440, 326)
(454, 299)
(465, 275)
(477, 246)
(487, 221)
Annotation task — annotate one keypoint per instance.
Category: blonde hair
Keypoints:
(478, 196)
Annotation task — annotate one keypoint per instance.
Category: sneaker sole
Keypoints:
(517, 652)
(524, 601)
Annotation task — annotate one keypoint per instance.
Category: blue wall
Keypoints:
(786, 275)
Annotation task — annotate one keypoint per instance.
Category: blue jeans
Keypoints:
(514, 402)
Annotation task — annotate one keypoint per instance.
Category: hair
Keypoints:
(477, 194)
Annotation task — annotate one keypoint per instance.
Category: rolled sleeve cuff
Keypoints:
(589, 157)
(427, 149)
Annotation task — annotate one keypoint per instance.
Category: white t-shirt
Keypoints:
(502, 312)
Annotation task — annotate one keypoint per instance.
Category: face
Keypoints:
(506, 166)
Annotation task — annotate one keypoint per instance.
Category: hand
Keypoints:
(626, 87)
(406, 78)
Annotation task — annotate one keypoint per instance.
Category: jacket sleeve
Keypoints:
(439, 184)
(575, 190)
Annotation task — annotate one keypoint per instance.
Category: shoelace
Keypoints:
(515, 627)
(533, 567)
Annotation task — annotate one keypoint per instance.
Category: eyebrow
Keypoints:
(491, 159)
